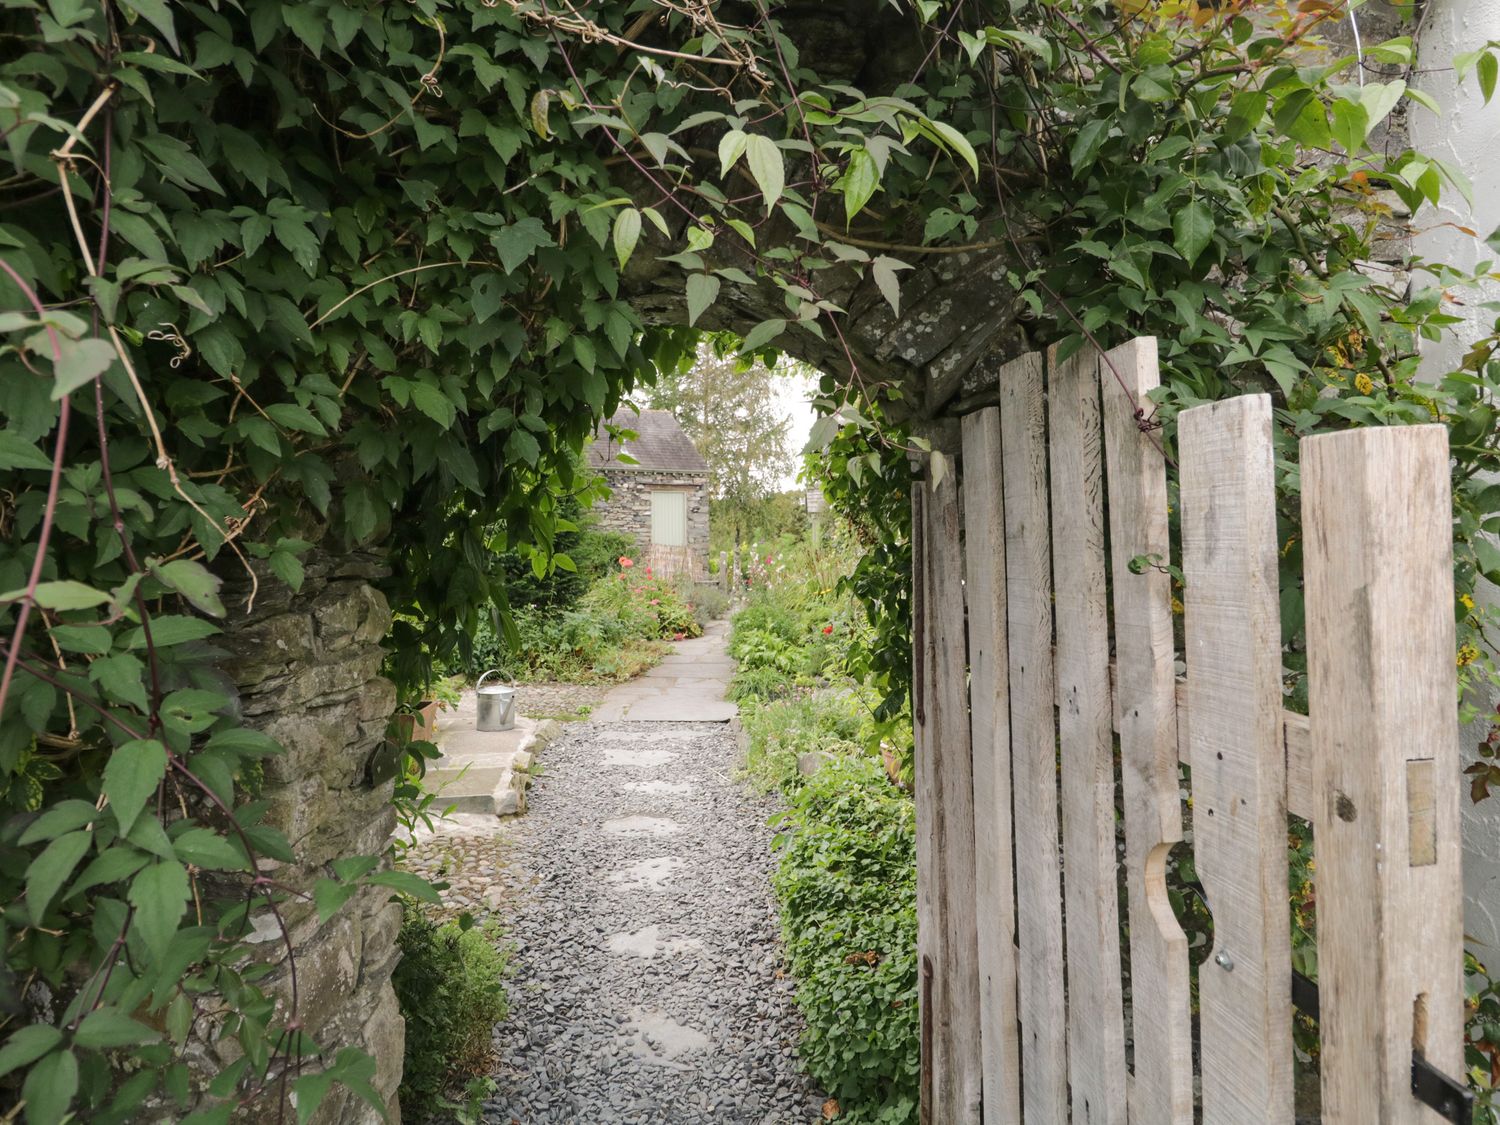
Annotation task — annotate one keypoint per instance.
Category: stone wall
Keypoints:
(308, 671)
(629, 508)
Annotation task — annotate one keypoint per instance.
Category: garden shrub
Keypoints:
(450, 983)
(829, 722)
(847, 885)
(610, 635)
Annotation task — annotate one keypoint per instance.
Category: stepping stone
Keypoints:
(641, 826)
(662, 1040)
(622, 756)
(648, 874)
(659, 787)
(648, 943)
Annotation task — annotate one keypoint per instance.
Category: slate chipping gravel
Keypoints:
(572, 1049)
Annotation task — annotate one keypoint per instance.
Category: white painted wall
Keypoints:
(1466, 134)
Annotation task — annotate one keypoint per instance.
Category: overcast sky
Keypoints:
(793, 401)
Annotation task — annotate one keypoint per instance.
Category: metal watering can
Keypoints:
(497, 704)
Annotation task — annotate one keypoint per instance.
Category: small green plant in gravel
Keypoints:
(450, 984)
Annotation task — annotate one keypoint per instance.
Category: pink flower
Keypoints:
(654, 601)
(626, 561)
(769, 558)
(648, 572)
(827, 629)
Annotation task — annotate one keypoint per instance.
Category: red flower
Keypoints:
(648, 572)
(827, 629)
(626, 561)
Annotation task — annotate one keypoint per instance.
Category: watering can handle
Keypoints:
(487, 675)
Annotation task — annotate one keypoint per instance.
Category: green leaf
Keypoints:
(766, 167)
(859, 182)
(158, 15)
(27, 1045)
(762, 334)
(330, 896)
(94, 640)
(121, 677)
(203, 847)
(293, 417)
(62, 595)
(49, 1088)
(1192, 230)
(48, 871)
(627, 232)
(1086, 144)
(1487, 68)
(1350, 124)
(884, 269)
(405, 883)
(520, 241)
(958, 142)
(194, 582)
(159, 894)
(431, 401)
(131, 776)
(702, 289)
(18, 453)
(80, 361)
(1379, 98)
(104, 1028)
(731, 147)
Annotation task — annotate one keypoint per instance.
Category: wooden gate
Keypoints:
(1045, 640)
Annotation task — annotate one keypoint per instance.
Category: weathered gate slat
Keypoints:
(1028, 587)
(1162, 1093)
(1376, 515)
(1233, 653)
(1375, 767)
(1096, 1017)
(947, 939)
(989, 702)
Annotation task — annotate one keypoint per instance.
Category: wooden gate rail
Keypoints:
(1023, 578)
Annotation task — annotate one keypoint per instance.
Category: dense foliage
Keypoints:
(845, 877)
(609, 634)
(277, 274)
(451, 987)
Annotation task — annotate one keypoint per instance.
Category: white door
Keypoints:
(669, 519)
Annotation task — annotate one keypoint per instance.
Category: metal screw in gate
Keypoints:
(1224, 961)
(497, 704)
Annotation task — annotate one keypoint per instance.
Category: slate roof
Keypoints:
(662, 445)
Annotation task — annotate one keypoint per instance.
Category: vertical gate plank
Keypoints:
(1233, 651)
(989, 701)
(1379, 581)
(1162, 1093)
(1034, 743)
(1096, 1018)
(947, 935)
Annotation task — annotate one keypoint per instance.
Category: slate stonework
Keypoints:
(629, 507)
(307, 667)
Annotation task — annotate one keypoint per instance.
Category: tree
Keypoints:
(730, 408)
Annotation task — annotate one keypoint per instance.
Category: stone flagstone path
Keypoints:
(647, 988)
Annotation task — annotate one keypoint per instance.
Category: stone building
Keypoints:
(660, 495)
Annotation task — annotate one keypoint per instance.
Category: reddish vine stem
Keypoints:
(49, 512)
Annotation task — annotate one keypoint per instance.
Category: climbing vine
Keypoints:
(283, 277)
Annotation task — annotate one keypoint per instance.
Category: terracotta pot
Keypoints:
(419, 725)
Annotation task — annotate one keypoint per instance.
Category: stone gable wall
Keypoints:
(629, 507)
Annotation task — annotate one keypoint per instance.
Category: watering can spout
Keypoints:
(497, 704)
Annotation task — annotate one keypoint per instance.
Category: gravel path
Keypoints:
(647, 986)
